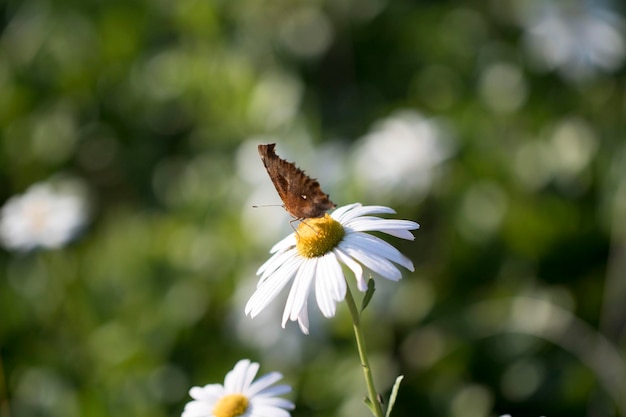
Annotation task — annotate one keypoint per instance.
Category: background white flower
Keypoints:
(576, 38)
(241, 395)
(398, 157)
(44, 216)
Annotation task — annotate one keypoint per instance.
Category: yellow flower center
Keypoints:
(231, 405)
(318, 236)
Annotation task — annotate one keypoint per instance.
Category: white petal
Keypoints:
(273, 391)
(389, 226)
(324, 300)
(299, 290)
(259, 386)
(354, 266)
(211, 392)
(374, 262)
(303, 319)
(362, 210)
(265, 411)
(235, 379)
(273, 402)
(378, 247)
(402, 234)
(285, 243)
(330, 284)
(248, 377)
(338, 281)
(266, 292)
(339, 213)
(198, 409)
(278, 260)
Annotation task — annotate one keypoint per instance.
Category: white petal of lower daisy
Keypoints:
(247, 378)
(299, 290)
(264, 411)
(354, 266)
(274, 402)
(274, 391)
(330, 284)
(269, 289)
(211, 392)
(375, 245)
(198, 409)
(264, 383)
(374, 262)
(236, 380)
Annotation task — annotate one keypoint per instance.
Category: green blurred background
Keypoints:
(499, 126)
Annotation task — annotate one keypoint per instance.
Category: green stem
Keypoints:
(360, 344)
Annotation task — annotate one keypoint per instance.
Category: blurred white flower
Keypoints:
(576, 38)
(241, 395)
(398, 157)
(44, 216)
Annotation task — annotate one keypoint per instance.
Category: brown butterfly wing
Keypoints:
(302, 196)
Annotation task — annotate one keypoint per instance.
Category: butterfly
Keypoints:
(302, 196)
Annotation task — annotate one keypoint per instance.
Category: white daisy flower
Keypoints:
(312, 256)
(241, 395)
(44, 216)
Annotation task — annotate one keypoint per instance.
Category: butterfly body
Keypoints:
(302, 196)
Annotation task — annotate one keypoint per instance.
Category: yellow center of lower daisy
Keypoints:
(318, 236)
(231, 405)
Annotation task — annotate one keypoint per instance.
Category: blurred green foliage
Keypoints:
(515, 168)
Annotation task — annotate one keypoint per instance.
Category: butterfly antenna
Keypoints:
(268, 205)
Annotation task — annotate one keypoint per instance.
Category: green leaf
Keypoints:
(394, 394)
(371, 287)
